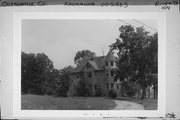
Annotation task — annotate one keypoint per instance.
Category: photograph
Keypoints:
(89, 64)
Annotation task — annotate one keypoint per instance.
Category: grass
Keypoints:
(36, 102)
(149, 104)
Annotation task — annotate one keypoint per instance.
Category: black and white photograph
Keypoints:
(89, 64)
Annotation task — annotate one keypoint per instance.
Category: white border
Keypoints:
(17, 20)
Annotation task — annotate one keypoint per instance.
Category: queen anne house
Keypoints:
(97, 72)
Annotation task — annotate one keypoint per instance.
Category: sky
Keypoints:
(61, 39)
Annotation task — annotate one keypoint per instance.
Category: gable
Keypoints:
(97, 64)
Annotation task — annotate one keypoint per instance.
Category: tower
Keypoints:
(110, 69)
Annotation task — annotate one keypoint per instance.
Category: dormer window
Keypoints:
(89, 74)
(112, 63)
(106, 63)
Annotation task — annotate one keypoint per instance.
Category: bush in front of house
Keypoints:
(131, 92)
(98, 91)
(112, 93)
(83, 90)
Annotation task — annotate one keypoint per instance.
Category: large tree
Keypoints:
(28, 73)
(80, 55)
(63, 83)
(37, 73)
(137, 51)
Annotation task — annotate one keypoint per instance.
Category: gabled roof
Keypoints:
(100, 62)
(79, 67)
(110, 57)
(93, 64)
(97, 63)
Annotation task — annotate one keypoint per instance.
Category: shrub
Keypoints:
(131, 92)
(83, 89)
(112, 93)
(99, 92)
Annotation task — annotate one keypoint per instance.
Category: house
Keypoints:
(97, 72)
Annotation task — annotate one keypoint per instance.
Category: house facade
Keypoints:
(98, 73)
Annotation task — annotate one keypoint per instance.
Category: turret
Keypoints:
(110, 60)
(110, 64)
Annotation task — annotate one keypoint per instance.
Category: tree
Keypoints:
(80, 55)
(137, 51)
(45, 73)
(37, 74)
(62, 84)
(28, 73)
(83, 89)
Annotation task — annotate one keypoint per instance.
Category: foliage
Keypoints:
(98, 91)
(83, 89)
(40, 77)
(112, 93)
(131, 92)
(63, 83)
(36, 74)
(80, 55)
(131, 88)
(137, 51)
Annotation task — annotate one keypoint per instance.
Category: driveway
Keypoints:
(125, 105)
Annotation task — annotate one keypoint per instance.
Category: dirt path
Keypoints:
(125, 105)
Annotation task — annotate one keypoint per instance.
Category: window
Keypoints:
(106, 63)
(107, 74)
(112, 85)
(77, 76)
(95, 87)
(117, 85)
(89, 74)
(107, 86)
(112, 63)
(112, 72)
(88, 66)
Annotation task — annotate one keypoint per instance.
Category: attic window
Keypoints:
(89, 74)
(106, 63)
(112, 63)
(88, 66)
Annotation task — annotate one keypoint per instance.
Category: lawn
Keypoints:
(149, 104)
(36, 102)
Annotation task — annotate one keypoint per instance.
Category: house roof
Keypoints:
(97, 63)
(100, 62)
(110, 57)
(79, 67)
(93, 63)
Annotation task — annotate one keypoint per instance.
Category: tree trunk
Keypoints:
(154, 89)
(149, 94)
(143, 92)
